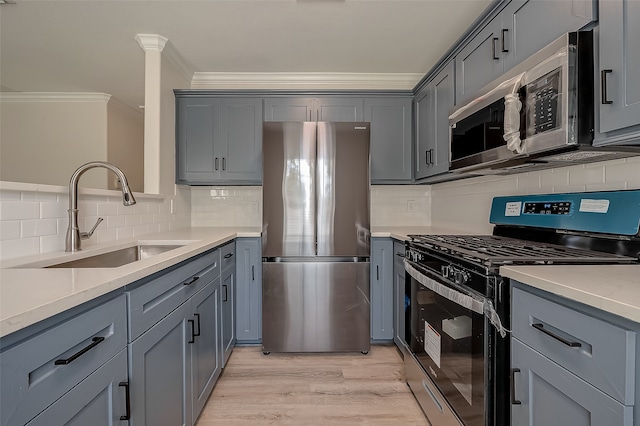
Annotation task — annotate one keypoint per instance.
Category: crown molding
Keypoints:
(151, 42)
(54, 97)
(174, 57)
(310, 80)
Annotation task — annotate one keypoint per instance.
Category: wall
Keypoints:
(466, 204)
(46, 136)
(391, 205)
(33, 218)
(125, 144)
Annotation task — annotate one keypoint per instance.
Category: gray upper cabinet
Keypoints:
(390, 119)
(619, 98)
(522, 28)
(433, 106)
(302, 108)
(218, 140)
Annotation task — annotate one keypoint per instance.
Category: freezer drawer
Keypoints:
(315, 306)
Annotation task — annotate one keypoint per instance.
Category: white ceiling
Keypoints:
(90, 45)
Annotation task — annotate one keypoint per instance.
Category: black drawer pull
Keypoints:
(377, 272)
(228, 255)
(561, 339)
(514, 401)
(95, 342)
(253, 273)
(193, 280)
(504, 45)
(493, 48)
(193, 331)
(226, 293)
(216, 163)
(603, 86)
(127, 394)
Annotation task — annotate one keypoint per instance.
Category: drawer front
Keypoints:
(594, 350)
(40, 370)
(154, 300)
(228, 255)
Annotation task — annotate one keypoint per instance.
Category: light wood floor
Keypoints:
(312, 389)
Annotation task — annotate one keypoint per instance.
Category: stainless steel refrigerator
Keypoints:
(315, 237)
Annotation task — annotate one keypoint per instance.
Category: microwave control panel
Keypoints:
(544, 104)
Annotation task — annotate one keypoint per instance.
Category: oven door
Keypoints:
(448, 338)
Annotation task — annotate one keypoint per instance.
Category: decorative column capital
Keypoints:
(151, 42)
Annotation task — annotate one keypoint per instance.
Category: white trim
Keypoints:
(174, 57)
(305, 80)
(151, 42)
(54, 97)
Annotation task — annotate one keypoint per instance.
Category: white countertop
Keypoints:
(612, 288)
(31, 294)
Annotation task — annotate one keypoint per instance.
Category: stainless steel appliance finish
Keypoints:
(315, 237)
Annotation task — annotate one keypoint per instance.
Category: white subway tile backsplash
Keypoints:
(124, 232)
(51, 243)
(115, 221)
(107, 209)
(38, 227)
(9, 229)
(51, 210)
(10, 195)
(12, 210)
(19, 247)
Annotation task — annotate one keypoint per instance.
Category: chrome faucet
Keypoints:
(74, 236)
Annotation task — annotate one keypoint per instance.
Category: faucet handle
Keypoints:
(87, 235)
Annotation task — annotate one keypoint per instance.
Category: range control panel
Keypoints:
(562, 207)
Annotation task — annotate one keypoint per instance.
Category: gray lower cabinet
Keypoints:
(301, 108)
(218, 140)
(571, 364)
(248, 290)
(99, 400)
(434, 104)
(522, 28)
(618, 99)
(399, 309)
(42, 369)
(391, 138)
(382, 289)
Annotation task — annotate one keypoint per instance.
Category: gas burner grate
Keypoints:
(491, 250)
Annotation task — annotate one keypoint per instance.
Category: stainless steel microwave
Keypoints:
(538, 115)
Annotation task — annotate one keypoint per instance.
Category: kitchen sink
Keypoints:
(116, 258)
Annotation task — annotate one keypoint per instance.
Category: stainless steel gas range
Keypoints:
(458, 314)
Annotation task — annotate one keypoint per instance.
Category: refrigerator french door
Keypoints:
(315, 237)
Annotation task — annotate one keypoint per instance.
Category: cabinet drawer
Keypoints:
(594, 350)
(152, 301)
(34, 373)
(227, 255)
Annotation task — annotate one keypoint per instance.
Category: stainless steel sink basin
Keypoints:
(116, 258)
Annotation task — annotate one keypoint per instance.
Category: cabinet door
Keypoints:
(443, 99)
(241, 140)
(337, 109)
(390, 143)
(206, 354)
(196, 132)
(550, 395)
(619, 64)
(288, 109)
(381, 289)
(399, 310)
(248, 290)
(228, 325)
(479, 62)
(160, 372)
(529, 25)
(425, 144)
(99, 400)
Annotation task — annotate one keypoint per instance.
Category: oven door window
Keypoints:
(448, 340)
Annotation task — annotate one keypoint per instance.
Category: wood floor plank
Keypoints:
(312, 389)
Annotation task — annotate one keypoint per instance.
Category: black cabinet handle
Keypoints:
(224, 163)
(378, 272)
(127, 396)
(94, 342)
(504, 45)
(228, 255)
(197, 333)
(514, 401)
(226, 295)
(253, 272)
(193, 331)
(193, 280)
(603, 86)
(494, 41)
(561, 339)
(216, 161)
(426, 157)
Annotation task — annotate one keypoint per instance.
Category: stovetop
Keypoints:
(493, 251)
